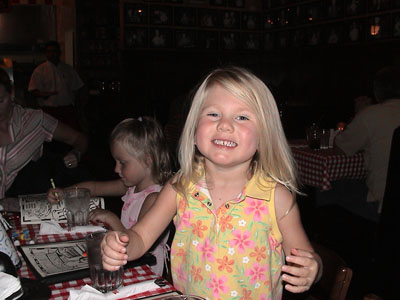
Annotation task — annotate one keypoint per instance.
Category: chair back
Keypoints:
(336, 276)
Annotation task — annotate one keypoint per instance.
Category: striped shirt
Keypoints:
(28, 130)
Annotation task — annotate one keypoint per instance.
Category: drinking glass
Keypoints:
(77, 203)
(102, 280)
(314, 138)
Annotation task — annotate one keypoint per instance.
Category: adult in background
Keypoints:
(371, 131)
(57, 87)
(24, 169)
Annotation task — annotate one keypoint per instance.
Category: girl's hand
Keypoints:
(54, 195)
(113, 250)
(301, 271)
(71, 160)
(99, 215)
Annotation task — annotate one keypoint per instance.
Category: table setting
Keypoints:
(319, 162)
(59, 258)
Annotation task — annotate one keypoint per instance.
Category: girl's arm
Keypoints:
(147, 204)
(304, 265)
(104, 188)
(96, 188)
(120, 246)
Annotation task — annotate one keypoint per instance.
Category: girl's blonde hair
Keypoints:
(143, 138)
(273, 158)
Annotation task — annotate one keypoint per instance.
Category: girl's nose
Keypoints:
(225, 125)
(117, 168)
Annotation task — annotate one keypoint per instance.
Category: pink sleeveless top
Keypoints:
(129, 215)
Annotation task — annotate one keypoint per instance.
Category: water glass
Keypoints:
(102, 280)
(325, 134)
(77, 203)
(314, 138)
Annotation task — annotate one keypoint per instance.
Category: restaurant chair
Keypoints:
(336, 276)
(386, 265)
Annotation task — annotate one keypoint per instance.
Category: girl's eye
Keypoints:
(212, 114)
(242, 118)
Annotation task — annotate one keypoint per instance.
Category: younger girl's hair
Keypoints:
(273, 158)
(143, 138)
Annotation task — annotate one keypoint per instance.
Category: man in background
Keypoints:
(371, 131)
(57, 87)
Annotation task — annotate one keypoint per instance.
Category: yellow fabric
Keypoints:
(232, 253)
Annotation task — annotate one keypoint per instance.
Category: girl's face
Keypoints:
(133, 172)
(227, 132)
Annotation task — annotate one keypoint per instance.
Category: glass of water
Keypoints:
(102, 280)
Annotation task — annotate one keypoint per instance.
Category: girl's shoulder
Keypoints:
(284, 200)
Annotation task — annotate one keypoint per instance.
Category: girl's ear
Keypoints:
(148, 161)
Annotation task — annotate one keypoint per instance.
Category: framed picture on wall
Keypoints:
(396, 26)
(378, 5)
(355, 7)
(378, 27)
(251, 21)
(230, 40)
(236, 3)
(334, 8)
(208, 40)
(209, 18)
(160, 38)
(333, 34)
(161, 15)
(282, 40)
(269, 41)
(185, 39)
(135, 38)
(268, 20)
(297, 38)
(185, 16)
(230, 19)
(313, 36)
(354, 31)
(251, 41)
(135, 13)
(221, 3)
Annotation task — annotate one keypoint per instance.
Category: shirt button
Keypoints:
(227, 205)
(209, 203)
(196, 195)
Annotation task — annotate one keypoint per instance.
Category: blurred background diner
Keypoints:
(319, 57)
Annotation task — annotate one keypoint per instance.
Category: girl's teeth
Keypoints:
(225, 143)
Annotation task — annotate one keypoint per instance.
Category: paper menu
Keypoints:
(35, 209)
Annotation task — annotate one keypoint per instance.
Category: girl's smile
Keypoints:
(227, 130)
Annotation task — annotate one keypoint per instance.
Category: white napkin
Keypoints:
(8, 285)
(89, 293)
(55, 228)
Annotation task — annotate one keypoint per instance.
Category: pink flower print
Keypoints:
(185, 220)
(241, 240)
(217, 284)
(256, 207)
(273, 243)
(257, 273)
(180, 274)
(207, 250)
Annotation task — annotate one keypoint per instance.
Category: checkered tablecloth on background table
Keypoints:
(318, 168)
(60, 291)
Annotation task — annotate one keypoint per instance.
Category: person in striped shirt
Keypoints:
(23, 132)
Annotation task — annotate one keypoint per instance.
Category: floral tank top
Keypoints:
(232, 253)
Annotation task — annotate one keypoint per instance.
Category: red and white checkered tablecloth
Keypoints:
(318, 168)
(60, 291)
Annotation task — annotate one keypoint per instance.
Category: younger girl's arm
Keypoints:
(96, 188)
(120, 246)
(303, 266)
